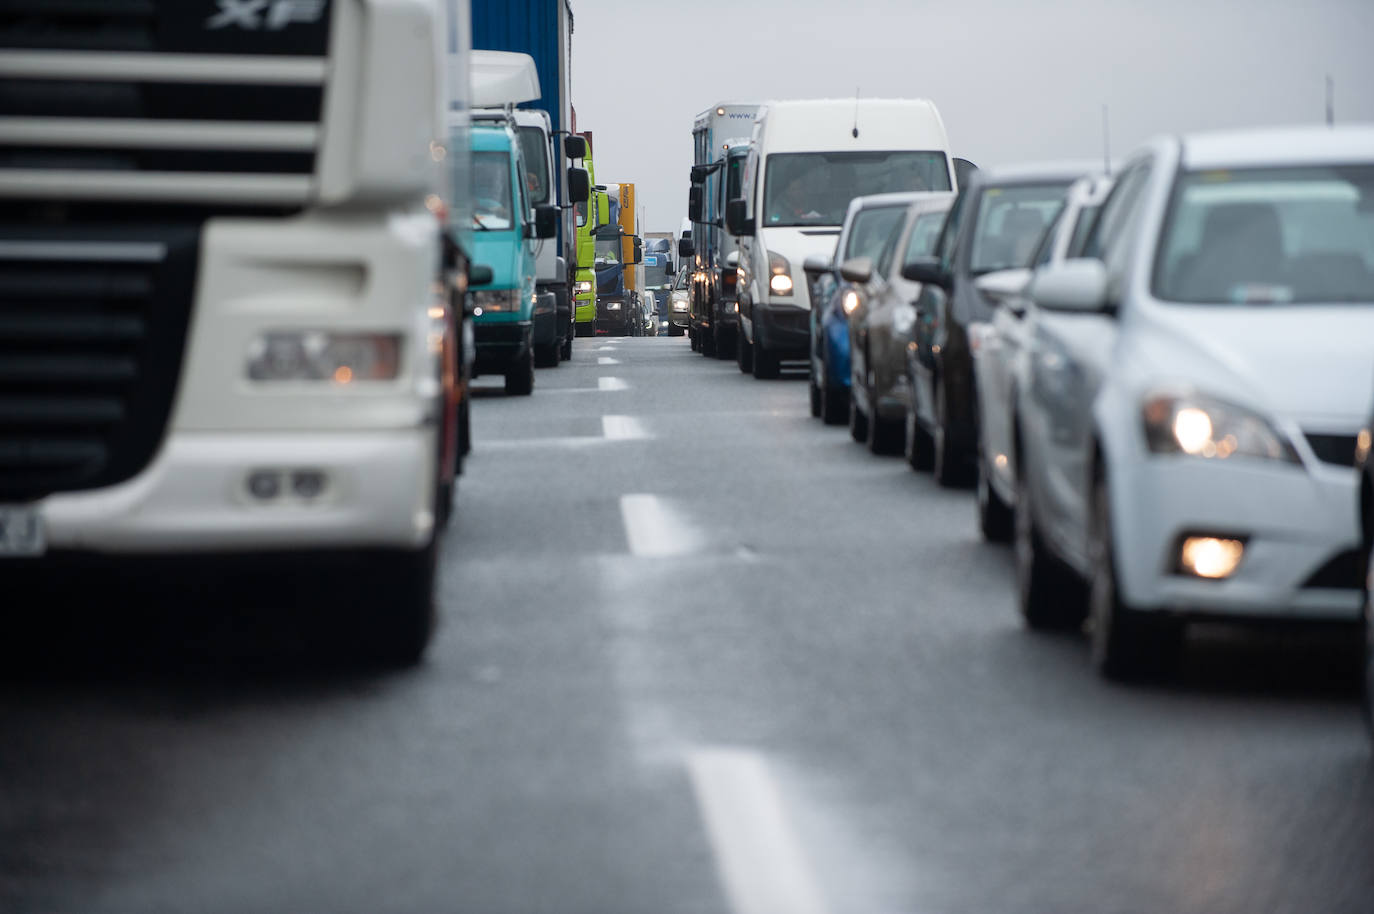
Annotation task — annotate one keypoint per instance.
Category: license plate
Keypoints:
(21, 531)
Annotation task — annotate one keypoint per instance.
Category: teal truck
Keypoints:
(505, 226)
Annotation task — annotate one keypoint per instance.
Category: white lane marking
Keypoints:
(759, 857)
(654, 530)
(622, 428)
(607, 360)
(611, 384)
(508, 444)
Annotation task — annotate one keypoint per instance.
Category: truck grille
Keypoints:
(152, 100)
(92, 329)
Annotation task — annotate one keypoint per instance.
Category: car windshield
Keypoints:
(814, 188)
(924, 233)
(1010, 223)
(1269, 236)
(874, 229)
(536, 155)
(491, 190)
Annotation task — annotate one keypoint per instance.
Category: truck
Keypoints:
(542, 29)
(720, 137)
(659, 272)
(589, 215)
(619, 259)
(224, 321)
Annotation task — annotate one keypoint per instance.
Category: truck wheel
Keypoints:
(464, 428)
(765, 363)
(708, 343)
(520, 375)
(744, 353)
(392, 603)
(565, 353)
(722, 340)
(546, 356)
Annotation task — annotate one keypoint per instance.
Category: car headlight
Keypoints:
(496, 300)
(780, 283)
(1214, 429)
(849, 301)
(319, 355)
(582, 287)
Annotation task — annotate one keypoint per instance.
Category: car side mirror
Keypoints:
(817, 264)
(546, 221)
(575, 147)
(926, 270)
(694, 203)
(737, 219)
(1074, 285)
(579, 185)
(857, 269)
(684, 247)
(1005, 287)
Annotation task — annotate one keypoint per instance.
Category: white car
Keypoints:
(1186, 434)
(998, 347)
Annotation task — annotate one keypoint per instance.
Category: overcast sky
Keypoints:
(1014, 80)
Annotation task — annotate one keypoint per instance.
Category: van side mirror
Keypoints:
(579, 185)
(684, 247)
(737, 219)
(926, 270)
(546, 221)
(694, 203)
(575, 147)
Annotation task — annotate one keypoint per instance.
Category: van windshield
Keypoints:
(491, 190)
(536, 153)
(814, 188)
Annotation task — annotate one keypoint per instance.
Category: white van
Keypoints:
(808, 160)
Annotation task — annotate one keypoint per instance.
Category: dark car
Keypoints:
(1364, 463)
(995, 224)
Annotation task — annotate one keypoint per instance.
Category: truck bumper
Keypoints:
(499, 344)
(196, 496)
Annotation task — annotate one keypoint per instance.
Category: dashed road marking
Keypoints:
(653, 530)
(761, 864)
(607, 360)
(623, 428)
(611, 384)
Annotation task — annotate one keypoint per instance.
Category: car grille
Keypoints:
(92, 330)
(1337, 449)
(142, 100)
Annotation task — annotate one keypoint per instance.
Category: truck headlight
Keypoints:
(612, 306)
(681, 306)
(780, 283)
(582, 287)
(1206, 427)
(319, 355)
(496, 300)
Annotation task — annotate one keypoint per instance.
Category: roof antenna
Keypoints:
(856, 112)
(1106, 142)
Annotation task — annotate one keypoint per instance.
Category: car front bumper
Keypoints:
(1298, 522)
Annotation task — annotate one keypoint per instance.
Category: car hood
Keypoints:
(1310, 364)
(797, 244)
(504, 252)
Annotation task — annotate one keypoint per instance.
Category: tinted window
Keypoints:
(1262, 236)
(814, 188)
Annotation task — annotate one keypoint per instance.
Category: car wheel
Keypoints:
(744, 353)
(950, 470)
(520, 375)
(1050, 595)
(917, 446)
(995, 518)
(765, 363)
(858, 421)
(815, 395)
(1127, 644)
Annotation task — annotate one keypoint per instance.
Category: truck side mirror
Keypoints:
(694, 203)
(579, 184)
(546, 221)
(684, 247)
(637, 244)
(479, 274)
(575, 147)
(699, 173)
(737, 217)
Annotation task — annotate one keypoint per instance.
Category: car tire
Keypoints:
(950, 470)
(815, 395)
(1127, 644)
(996, 518)
(858, 421)
(917, 447)
(765, 363)
(520, 375)
(744, 353)
(1049, 594)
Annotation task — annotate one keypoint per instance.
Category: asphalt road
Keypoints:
(698, 654)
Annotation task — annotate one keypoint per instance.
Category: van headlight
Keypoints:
(1210, 428)
(780, 283)
(320, 355)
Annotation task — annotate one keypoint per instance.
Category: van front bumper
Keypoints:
(782, 329)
